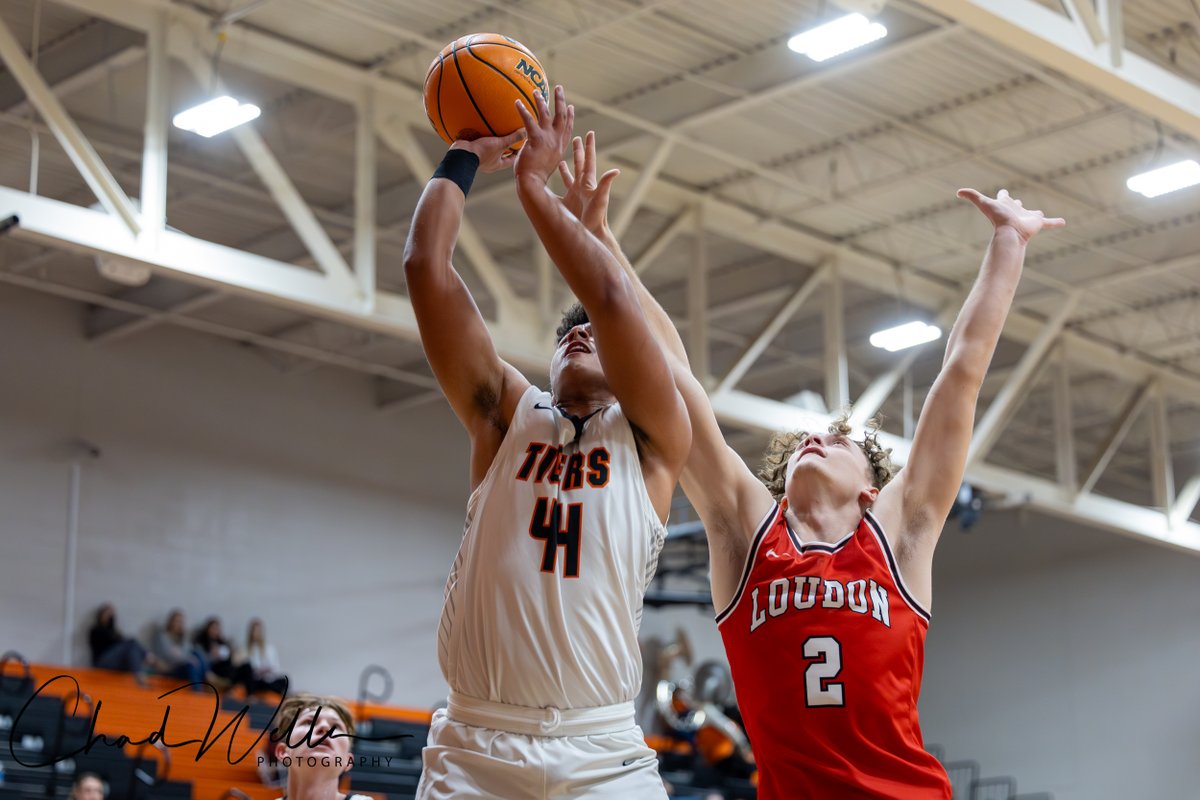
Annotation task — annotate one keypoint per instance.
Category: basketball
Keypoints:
(471, 86)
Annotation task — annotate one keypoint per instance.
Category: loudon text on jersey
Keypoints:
(790, 595)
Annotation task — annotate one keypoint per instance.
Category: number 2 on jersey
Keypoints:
(818, 686)
(547, 526)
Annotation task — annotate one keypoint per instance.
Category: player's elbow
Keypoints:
(966, 367)
(419, 263)
(614, 294)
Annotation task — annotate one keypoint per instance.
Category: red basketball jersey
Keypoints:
(826, 647)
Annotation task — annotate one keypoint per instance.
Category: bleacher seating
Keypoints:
(133, 773)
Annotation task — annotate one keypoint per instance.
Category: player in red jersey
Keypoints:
(822, 572)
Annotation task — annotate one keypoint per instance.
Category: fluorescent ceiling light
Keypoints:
(904, 336)
(1170, 178)
(216, 116)
(837, 37)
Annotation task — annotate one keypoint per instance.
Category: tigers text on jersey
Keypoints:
(826, 647)
(544, 600)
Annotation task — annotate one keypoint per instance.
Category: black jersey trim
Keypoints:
(818, 547)
(894, 568)
(751, 558)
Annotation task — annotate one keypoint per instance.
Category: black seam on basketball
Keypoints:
(470, 96)
(501, 73)
(751, 558)
(441, 119)
(521, 49)
(895, 569)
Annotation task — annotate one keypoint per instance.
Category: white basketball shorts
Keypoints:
(479, 749)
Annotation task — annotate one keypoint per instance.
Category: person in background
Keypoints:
(111, 650)
(217, 651)
(258, 664)
(312, 742)
(87, 786)
(175, 657)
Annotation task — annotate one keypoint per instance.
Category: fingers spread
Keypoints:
(526, 117)
(605, 185)
(577, 150)
(564, 172)
(590, 159)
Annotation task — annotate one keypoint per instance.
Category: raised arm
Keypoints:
(916, 504)
(635, 368)
(587, 198)
(724, 491)
(482, 389)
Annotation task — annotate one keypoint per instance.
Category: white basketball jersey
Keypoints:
(544, 600)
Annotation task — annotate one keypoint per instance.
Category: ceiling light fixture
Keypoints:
(839, 36)
(216, 116)
(1164, 180)
(904, 336)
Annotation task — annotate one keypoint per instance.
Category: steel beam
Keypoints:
(365, 194)
(399, 138)
(771, 329)
(158, 300)
(867, 404)
(1113, 22)
(837, 380)
(1116, 435)
(1014, 389)
(757, 413)
(1051, 39)
(154, 144)
(1064, 426)
(53, 223)
(1162, 476)
(633, 200)
(293, 205)
(91, 167)
(867, 269)
(290, 63)
(660, 243)
(1083, 14)
(1185, 502)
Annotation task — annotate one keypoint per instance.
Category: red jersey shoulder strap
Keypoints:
(875, 533)
(768, 522)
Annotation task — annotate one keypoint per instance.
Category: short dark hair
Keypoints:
(573, 316)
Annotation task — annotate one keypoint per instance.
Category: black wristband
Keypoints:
(458, 166)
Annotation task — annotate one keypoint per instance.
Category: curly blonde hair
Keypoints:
(773, 472)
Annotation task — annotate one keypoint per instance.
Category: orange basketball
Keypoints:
(472, 86)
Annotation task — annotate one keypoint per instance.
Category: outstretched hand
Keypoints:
(545, 136)
(587, 197)
(1005, 211)
(494, 152)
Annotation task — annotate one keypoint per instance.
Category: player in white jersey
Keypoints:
(570, 492)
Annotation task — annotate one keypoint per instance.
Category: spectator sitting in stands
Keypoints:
(217, 652)
(314, 770)
(111, 650)
(258, 667)
(87, 786)
(170, 646)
